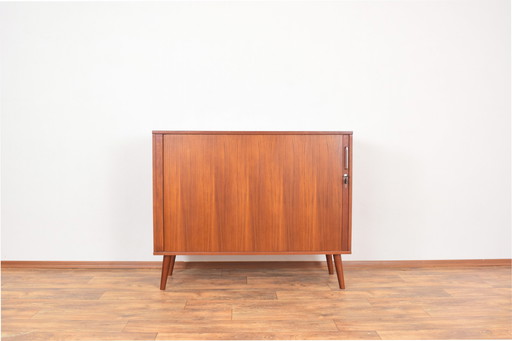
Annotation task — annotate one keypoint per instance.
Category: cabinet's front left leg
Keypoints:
(171, 266)
(339, 271)
(165, 272)
(329, 264)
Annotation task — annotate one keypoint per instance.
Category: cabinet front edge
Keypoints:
(254, 253)
(190, 132)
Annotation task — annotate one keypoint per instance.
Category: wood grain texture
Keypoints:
(158, 218)
(337, 335)
(254, 193)
(272, 300)
(251, 253)
(348, 197)
(77, 336)
(249, 132)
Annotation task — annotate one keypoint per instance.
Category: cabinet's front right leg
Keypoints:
(165, 272)
(339, 271)
(171, 266)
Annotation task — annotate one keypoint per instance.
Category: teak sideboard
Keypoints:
(252, 193)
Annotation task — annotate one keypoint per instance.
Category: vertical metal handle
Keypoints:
(346, 157)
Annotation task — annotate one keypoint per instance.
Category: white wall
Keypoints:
(424, 85)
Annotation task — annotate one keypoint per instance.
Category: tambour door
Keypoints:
(250, 193)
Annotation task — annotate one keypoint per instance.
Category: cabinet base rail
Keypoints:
(168, 266)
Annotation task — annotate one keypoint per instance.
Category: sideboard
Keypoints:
(252, 193)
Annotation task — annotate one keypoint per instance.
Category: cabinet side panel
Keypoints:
(350, 138)
(158, 218)
(347, 195)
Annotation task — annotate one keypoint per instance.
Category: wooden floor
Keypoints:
(257, 301)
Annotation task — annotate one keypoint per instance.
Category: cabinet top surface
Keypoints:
(208, 132)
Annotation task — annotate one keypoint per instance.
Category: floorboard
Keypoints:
(253, 301)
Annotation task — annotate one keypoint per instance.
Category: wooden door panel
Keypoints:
(252, 193)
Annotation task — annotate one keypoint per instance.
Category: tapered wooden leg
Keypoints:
(339, 271)
(329, 264)
(165, 272)
(171, 266)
